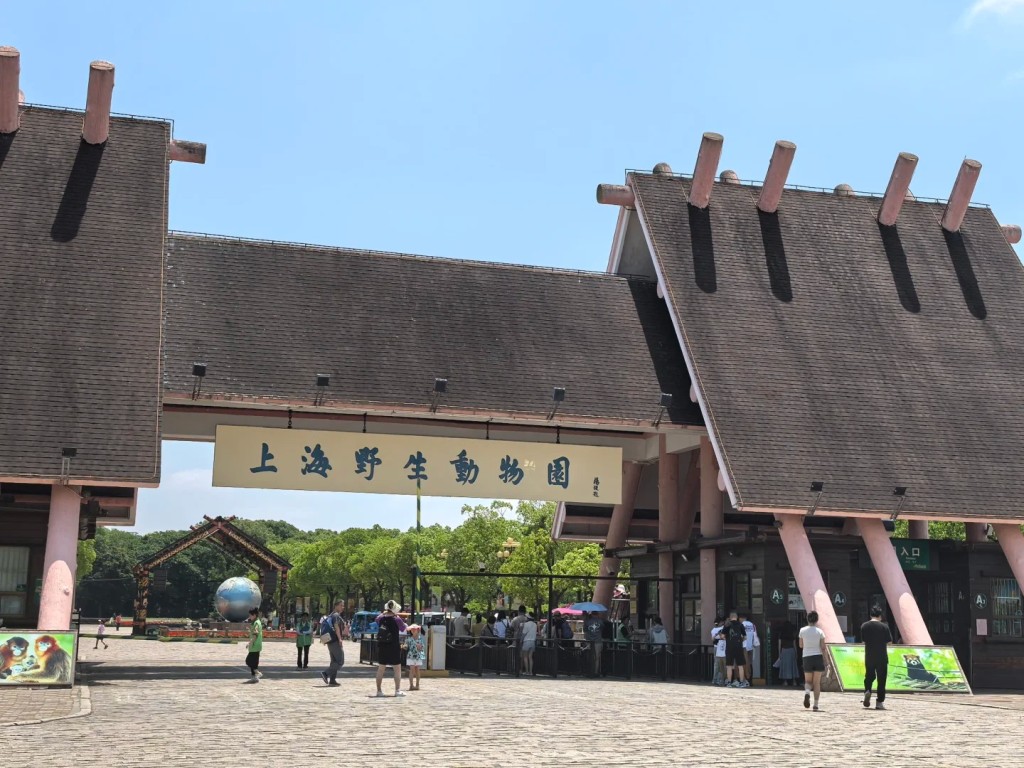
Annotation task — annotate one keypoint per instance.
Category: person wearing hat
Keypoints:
(415, 655)
(389, 646)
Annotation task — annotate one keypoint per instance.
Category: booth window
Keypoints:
(1007, 611)
(13, 580)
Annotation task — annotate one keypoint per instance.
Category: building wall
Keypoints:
(21, 529)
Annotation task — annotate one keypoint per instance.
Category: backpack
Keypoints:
(386, 631)
(326, 630)
(565, 631)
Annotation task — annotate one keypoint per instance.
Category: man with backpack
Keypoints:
(735, 658)
(330, 633)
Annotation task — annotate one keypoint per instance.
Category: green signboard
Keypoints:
(914, 554)
(912, 668)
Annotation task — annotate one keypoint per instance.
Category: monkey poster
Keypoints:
(28, 657)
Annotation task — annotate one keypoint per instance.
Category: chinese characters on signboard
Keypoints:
(249, 457)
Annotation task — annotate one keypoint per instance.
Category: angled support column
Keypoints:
(808, 575)
(918, 529)
(894, 582)
(60, 561)
(668, 531)
(1012, 542)
(712, 523)
(622, 515)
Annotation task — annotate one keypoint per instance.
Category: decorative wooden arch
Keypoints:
(234, 541)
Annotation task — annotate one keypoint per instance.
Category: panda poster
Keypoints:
(912, 668)
(37, 658)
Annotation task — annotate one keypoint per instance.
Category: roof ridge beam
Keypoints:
(10, 71)
(898, 188)
(706, 169)
(96, 125)
(960, 197)
(775, 179)
(615, 194)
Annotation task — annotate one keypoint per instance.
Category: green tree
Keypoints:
(86, 559)
(937, 529)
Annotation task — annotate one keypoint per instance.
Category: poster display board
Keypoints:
(912, 668)
(37, 658)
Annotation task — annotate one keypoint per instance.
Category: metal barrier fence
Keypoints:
(576, 658)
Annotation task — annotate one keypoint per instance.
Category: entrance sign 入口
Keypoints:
(913, 554)
(355, 462)
(912, 668)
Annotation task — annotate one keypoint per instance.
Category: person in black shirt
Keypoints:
(876, 636)
(734, 632)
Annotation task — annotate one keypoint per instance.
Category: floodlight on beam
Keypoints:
(664, 404)
(323, 381)
(198, 373)
(817, 487)
(900, 491)
(440, 388)
(557, 397)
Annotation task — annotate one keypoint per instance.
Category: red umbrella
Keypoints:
(566, 610)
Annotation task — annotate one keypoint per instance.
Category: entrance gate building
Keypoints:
(779, 371)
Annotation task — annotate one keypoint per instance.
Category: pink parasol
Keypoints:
(567, 611)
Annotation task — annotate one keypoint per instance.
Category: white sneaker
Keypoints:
(745, 684)
(399, 693)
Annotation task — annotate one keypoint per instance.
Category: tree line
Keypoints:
(364, 565)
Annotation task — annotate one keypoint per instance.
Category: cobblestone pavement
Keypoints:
(168, 703)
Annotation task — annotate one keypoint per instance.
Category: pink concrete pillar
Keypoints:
(618, 527)
(668, 531)
(977, 533)
(712, 524)
(60, 560)
(96, 124)
(918, 529)
(808, 575)
(1012, 542)
(894, 582)
(688, 499)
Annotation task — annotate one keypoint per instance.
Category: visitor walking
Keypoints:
(812, 641)
(255, 645)
(478, 626)
(876, 637)
(415, 655)
(331, 628)
(718, 641)
(101, 630)
(735, 659)
(789, 670)
(389, 647)
(460, 625)
(592, 633)
(303, 639)
(527, 638)
(750, 642)
(117, 622)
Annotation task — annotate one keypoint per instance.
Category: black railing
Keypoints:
(575, 658)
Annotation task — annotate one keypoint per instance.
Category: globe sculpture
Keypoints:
(235, 597)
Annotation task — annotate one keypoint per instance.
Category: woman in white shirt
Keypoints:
(812, 642)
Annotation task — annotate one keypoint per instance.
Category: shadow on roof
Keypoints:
(76, 192)
(901, 276)
(965, 274)
(775, 256)
(703, 245)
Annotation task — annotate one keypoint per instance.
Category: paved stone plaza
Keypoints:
(158, 703)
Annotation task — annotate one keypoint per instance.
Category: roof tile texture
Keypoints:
(829, 348)
(266, 318)
(81, 253)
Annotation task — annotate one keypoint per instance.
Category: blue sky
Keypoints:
(480, 130)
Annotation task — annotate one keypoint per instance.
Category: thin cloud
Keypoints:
(1001, 8)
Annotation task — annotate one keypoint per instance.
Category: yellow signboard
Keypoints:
(307, 460)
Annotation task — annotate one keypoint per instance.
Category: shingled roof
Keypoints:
(267, 317)
(82, 229)
(827, 347)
